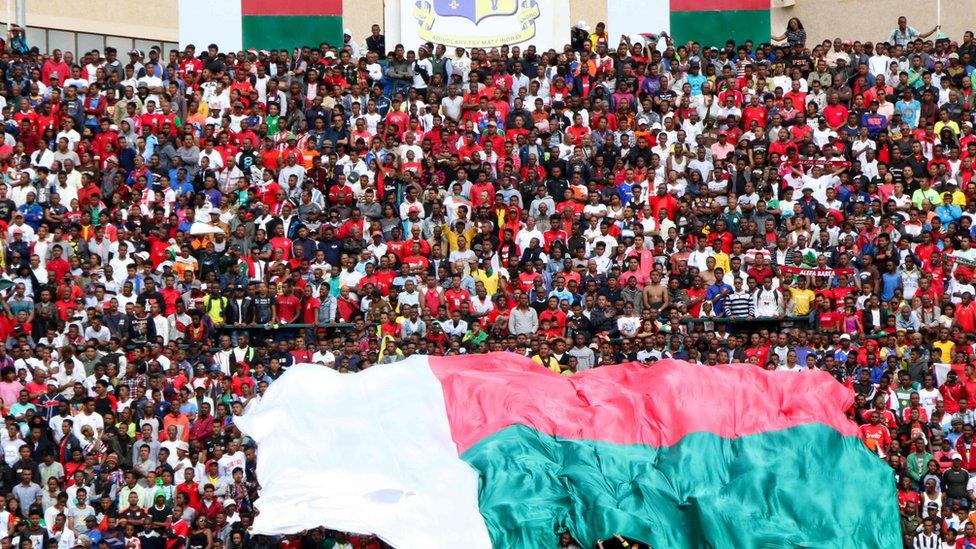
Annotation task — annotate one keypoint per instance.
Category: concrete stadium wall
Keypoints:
(157, 20)
(823, 19)
(873, 19)
(154, 20)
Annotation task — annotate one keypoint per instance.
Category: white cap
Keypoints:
(581, 25)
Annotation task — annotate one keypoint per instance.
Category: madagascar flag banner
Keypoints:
(494, 451)
(712, 22)
(277, 24)
(260, 24)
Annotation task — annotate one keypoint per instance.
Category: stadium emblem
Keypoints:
(476, 23)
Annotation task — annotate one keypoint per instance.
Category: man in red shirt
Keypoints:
(57, 264)
(470, 148)
(280, 241)
(553, 315)
(151, 118)
(189, 488)
(288, 306)
(754, 113)
(876, 436)
(578, 131)
(55, 66)
(455, 295)
(965, 314)
(396, 118)
(663, 200)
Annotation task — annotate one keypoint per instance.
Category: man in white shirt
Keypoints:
(88, 416)
(43, 156)
(878, 63)
(232, 459)
(527, 233)
(153, 82)
(819, 182)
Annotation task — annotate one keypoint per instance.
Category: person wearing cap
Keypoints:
(231, 509)
(955, 481)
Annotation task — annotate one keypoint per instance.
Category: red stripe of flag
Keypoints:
(711, 5)
(631, 403)
(291, 7)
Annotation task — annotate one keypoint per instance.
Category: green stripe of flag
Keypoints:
(713, 28)
(807, 486)
(270, 32)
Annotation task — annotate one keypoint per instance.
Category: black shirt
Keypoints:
(135, 514)
(262, 309)
(376, 44)
(7, 208)
(955, 481)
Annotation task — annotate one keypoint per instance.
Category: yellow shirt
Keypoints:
(945, 348)
(491, 282)
(898, 352)
(722, 260)
(453, 235)
(215, 308)
(550, 363)
(952, 125)
(803, 299)
(959, 198)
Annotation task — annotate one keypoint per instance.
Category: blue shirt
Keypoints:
(715, 290)
(874, 122)
(889, 283)
(948, 213)
(909, 111)
(802, 353)
(626, 192)
(696, 81)
(563, 295)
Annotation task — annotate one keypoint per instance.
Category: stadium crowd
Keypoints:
(179, 228)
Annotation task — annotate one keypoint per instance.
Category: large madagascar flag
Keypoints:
(709, 22)
(277, 24)
(712, 22)
(493, 451)
(260, 24)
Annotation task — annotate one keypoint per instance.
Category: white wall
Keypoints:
(632, 17)
(203, 22)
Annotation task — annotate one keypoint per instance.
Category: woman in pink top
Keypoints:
(10, 387)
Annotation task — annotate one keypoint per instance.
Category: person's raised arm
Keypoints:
(926, 35)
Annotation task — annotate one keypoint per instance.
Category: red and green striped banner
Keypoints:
(496, 451)
(287, 24)
(712, 22)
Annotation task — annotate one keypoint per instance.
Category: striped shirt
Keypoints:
(926, 541)
(740, 305)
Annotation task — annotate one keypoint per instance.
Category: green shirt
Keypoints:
(929, 194)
